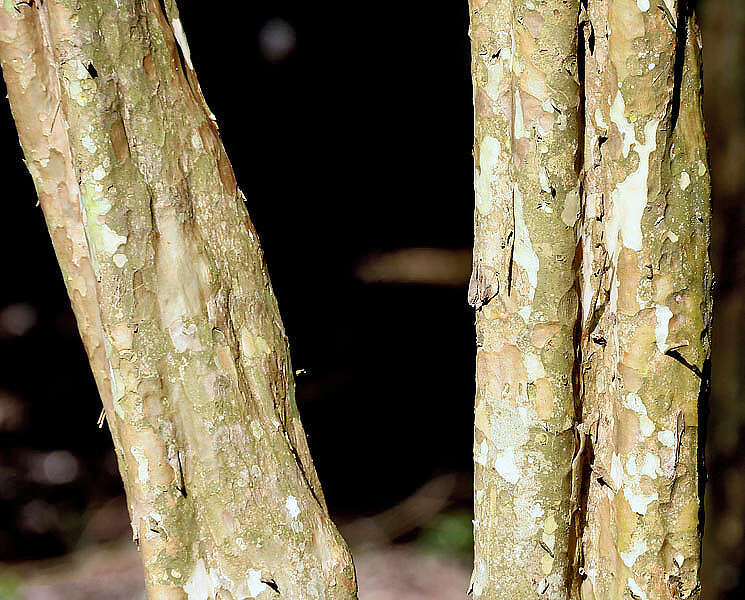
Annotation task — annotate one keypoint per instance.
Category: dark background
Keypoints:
(350, 130)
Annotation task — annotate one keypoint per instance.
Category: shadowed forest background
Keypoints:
(350, 131)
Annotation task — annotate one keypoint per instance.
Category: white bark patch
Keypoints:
(506, 465)
(524, 254)
(636, 590)
(626, 129)
(534, 367)
(142, 463)
(524, 312)
(479, 577)
(638, 548)
(646, 426)
(629, 198)
(570, 214)
(489, 151)
(99, 173)
(120, 260)
(651, 465)
(638, 501)
(685, 180)
(184, 336)
(663, 315)
(292, 506)
(634, 402)
(178, 32)
(95, 206)
(199, 585)
(643, 5)
(89, 144)
(666, 438)
(543, 180)
(482, 453)
(493, 80)
(254, 585)
(599, 121)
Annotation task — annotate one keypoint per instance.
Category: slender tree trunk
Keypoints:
(169, 286)
(526, 99)
(592, 285)
(646, 298)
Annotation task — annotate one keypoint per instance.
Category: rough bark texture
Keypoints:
(587, 448)
(526, 98)
(168, 284)
(646, 281)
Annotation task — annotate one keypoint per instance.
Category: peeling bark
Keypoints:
(592, 366)
(169, 287)
(647, 276)
(526, 99)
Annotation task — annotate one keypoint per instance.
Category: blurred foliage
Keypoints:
(8, 587)
(449, 533)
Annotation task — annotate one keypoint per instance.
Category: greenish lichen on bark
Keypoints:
(169, 286)
(526, 100)
(648, 281)
(610, 341)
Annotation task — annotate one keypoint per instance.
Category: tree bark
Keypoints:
(647, 281)
(593, 311)
(526, 99)
(169, 286)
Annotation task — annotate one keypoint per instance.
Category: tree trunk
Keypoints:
(588, 459)
(647, 283)
(173, 303)
(526, 100)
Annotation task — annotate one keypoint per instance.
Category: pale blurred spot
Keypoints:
(106, 522)
(276, 40)
(38, 517)
(12, 412)
(424, 266)
(54, 468)
(17, 319)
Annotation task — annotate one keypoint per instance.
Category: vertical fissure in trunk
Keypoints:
(631, 284)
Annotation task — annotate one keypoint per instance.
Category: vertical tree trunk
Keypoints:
(523, 286)
(646, 298)
(168, 284)
(613, 509)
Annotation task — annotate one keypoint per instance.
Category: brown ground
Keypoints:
(114, 573)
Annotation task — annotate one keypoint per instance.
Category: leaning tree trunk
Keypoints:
(170, 290)
(592, 285)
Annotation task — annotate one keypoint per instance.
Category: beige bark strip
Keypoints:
(526, 102)
(173, 301)
(646, 299)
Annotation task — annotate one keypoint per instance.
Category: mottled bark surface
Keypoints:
(594, 309)
(647, 297)
(168, 284)
(526, 99)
